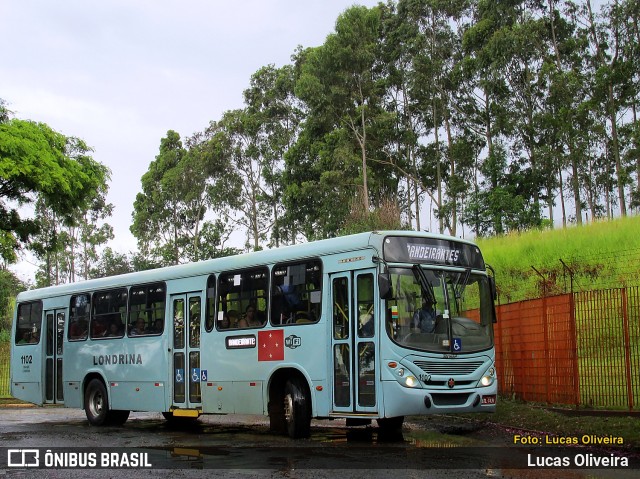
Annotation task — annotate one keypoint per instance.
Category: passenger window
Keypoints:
(108, 308)
(364, 288)
(79, 317)
(147, 309)
(243, 299)
(296, 292)
(29, 323)
(194, 322)
(211, 304)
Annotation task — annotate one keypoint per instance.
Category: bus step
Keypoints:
(185, 413)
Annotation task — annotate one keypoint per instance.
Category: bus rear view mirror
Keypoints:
(492, 287)
(384, 286)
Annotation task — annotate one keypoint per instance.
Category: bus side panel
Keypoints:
(138, 396)
(73, 394)
(248, 397)
(26, 372)
(134, 370)
(237, 378)
(218, 398)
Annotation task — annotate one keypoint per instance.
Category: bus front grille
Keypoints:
(456, 399)
(449, 367)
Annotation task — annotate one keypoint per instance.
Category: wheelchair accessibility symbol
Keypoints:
(457, 344)
(179, 375)
(203, 375)
(195, 375)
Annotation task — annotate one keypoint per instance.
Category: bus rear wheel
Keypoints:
(297, 409)
(96, 406)
(117, 418)
(96, 403)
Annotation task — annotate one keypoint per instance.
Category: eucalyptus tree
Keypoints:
(628, 17)
(111, 263)
(484, 97)
(68, 244)
(340, 83)
(182, 185)
(241, 152)
(277, 113)
(611, 80)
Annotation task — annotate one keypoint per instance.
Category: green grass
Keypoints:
(604, 254)
(4, 368)
(528, 416)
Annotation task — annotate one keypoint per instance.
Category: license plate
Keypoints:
(488, 399)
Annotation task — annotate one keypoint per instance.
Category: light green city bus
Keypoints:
(373, 326)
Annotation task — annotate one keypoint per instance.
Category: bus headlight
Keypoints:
(488, 377)
(411, 381)
(486, 381)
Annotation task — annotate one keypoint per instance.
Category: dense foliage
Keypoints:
(503, 116)
(55, 174)
(492, 117)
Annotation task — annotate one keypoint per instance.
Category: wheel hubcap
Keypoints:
(288, 407)
(96, 404)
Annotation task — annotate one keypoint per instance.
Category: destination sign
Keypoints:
(432, 251)
(245, 341)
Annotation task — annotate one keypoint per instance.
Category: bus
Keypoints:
(372, 326)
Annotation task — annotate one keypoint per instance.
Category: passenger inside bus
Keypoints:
(138, 329)
(114, 331)
(26, 336)
(78, 329)
(366, 325)
(98, 328)
(251, 317)
(157, 327)
(224, 322)
(232, 314)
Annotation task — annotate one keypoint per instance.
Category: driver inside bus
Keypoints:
(424, 319)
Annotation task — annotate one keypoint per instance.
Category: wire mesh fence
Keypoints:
(579, 349)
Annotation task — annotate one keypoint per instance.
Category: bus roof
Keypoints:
(246, 260)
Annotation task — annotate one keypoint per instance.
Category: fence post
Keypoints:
(574, 347)
(547, 371)
(627, 346)
(566, 268)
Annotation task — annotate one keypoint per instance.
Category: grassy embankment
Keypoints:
(604, 254)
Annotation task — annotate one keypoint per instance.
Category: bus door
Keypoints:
(186, 311)
(355, 329)
(54, 335)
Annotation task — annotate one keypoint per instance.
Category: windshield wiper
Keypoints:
(427, 287)
(459, 287)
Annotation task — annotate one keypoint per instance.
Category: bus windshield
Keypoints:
(440, 311)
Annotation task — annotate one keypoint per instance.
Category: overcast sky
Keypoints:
(120, 73)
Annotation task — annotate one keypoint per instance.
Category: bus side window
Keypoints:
(211, 303)
(246, 292)
(146, 310)
(29, 323)
(296, 292)
(79, 317)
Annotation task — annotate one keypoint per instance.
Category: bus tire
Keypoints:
(117, 418)
(96, 403)
(390, 424)
(297, 409)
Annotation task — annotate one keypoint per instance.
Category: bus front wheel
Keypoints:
(297, 409)
(390, 424)
(96, 403)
